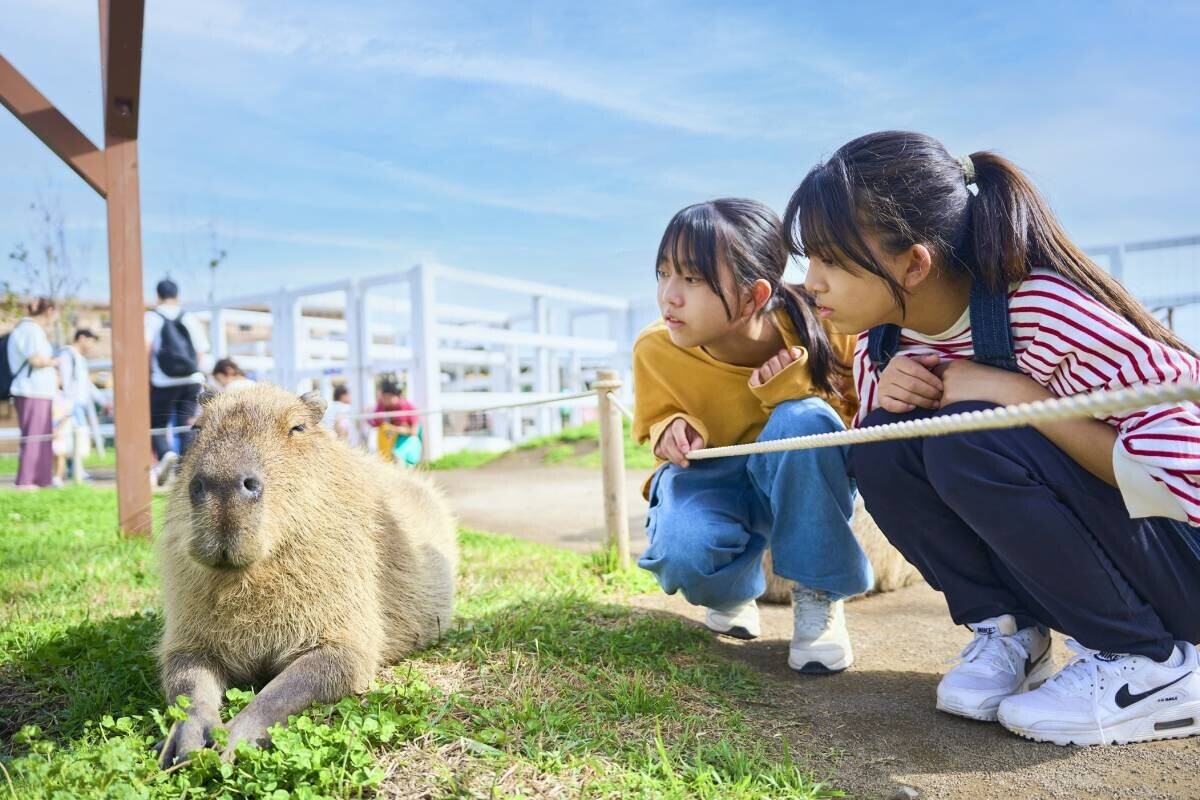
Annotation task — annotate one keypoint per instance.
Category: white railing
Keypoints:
(522, 337)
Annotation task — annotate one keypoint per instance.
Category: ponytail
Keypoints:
(825, 370)
(1013, 230)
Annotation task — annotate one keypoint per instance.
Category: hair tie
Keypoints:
(968, 168)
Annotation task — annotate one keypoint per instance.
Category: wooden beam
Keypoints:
(120, 79)
(121, 65)
(131, 367)
(50, 125)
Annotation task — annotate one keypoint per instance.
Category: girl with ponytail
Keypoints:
(741, 355)
(966, 293)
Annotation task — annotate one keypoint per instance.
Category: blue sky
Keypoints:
(552, 141)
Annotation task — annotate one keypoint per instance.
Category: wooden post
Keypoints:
(131, 367)
(612, 460)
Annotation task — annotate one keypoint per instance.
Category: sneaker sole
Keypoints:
(1169, 723)
(1032, 681)
(820, 668)
(736, 632)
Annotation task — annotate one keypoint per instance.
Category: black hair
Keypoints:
(227, 366)
(84, 333)
(167, 289)
(748, 237)
(340, 391)
(905, 188)
(389, 387)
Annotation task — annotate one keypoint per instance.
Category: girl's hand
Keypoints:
(775, 365)
(677, 441)
(910, 382)
(966, 380)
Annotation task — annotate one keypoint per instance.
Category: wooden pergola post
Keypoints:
(113, 174)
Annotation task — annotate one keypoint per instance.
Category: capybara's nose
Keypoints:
(250, 486)
(246, 486)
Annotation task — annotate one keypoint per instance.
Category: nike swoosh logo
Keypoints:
(1125, 699)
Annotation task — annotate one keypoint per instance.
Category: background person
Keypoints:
(34, 384)
(229, 376)
(177, 345)
(77, 387)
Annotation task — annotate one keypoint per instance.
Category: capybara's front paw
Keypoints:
(193, 733)
(245, 728)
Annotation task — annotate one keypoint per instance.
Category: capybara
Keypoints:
(891, 570)
(291, 562)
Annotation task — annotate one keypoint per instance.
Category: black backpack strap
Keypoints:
(882, 343)
(991, 329)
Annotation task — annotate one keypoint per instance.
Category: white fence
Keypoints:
(447, 333)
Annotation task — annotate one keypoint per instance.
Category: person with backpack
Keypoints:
(177, 344)
(29, 377)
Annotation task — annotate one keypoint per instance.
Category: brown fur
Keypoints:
(891, 570)
(343, 555)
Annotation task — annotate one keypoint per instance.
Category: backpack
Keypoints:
(7, 373)
(176, 353)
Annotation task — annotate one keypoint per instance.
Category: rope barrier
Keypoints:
(105, 430)
(1018, 416)
(612, 398)
(429, 412)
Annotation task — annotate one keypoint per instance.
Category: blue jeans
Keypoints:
(708, 524)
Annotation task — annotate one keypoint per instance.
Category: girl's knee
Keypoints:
(801, 418)
(874, 465)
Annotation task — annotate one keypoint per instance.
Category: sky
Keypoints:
(552, 141)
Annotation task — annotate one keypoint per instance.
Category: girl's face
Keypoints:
(852, 299)
(694, 314)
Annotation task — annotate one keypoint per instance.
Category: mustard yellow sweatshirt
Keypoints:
(672, 382)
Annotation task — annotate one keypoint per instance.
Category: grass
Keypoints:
(548, 685)
(8, 461)
(577, 446)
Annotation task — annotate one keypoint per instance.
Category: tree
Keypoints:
(215, 257)
(54, 267)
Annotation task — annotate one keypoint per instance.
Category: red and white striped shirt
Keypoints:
(1071, 343)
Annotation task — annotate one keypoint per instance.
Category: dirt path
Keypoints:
(874, 725)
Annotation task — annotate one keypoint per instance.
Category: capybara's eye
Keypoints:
(298, 429)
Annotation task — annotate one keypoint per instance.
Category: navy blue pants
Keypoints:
(1004, 522)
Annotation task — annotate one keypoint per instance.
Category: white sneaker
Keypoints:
(999, 662)
(820, 641)
(1110, 698)
(740, 622)
(164, 473)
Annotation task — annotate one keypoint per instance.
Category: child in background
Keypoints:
(970, 299)
(397, 434)
(229, 376)
(739, 355)
(339, 417)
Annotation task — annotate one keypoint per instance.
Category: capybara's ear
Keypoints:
(315, 404)
(206, 397)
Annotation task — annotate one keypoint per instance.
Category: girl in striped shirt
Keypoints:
(966, 293)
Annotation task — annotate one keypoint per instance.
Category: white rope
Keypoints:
(1018, 416)
(103, 430)
(429, 412)
(612, 398)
